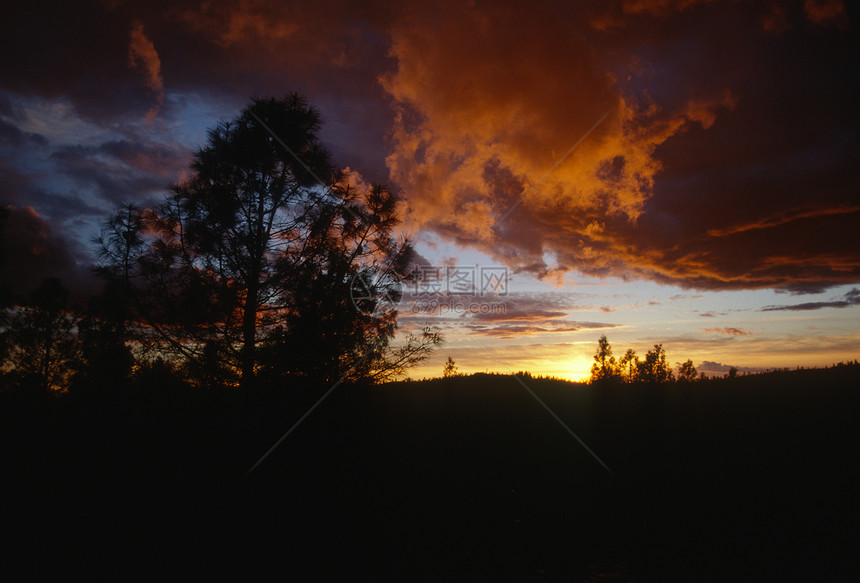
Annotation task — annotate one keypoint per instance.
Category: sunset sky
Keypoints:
(682, 172)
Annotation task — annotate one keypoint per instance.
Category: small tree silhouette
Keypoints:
(687, 372)
(629, 366)
(605, 368)
(655, 369)
(450, 369)
(106, 360)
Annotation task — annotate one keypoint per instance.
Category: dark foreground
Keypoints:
(467, 479)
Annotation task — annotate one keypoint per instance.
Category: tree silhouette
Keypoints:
(450, 369)
(41, 349)
(106, 361)
(605, 368)
(654, 368)
(629, 366)
(687, 372)
(266, 259)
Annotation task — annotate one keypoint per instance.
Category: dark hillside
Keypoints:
(463, 478)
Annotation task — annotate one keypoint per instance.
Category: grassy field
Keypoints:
(469, 478)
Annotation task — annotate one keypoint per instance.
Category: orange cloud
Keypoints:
(296, 37)
(658, 7)
(826, 12)
(239, 22)
(613, 16)
(552, 157)
(498, 144)
(143, 57)
(785, 217)
(675, 141)
(775, 20)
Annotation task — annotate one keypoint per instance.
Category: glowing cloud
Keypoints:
(524, 150)
(706, 144)
(582, 148)
(143, 57)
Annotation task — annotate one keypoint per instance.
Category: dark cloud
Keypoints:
(5, 105)
(514, 314)
(507, 331)
(486, 308)
(12, 136)
(711, 368)
(707, 144)
(728, 331)
(32, 251)
(826, 12)
(118, 171)
(851, 298)
(77, 52)
(520, 315)
(125, 91)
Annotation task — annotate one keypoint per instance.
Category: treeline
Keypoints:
(47, 346)
(631, 369)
